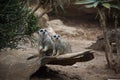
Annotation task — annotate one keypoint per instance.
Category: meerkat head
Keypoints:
(56, 37)
(43, 32)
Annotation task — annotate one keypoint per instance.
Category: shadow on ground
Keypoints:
(44, 73)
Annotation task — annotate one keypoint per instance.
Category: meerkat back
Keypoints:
(67, 46)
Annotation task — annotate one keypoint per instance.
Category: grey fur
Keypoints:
(45, 42)
(61, 46)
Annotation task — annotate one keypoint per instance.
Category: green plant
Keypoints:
(15, 22)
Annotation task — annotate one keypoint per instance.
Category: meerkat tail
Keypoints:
(34, 56)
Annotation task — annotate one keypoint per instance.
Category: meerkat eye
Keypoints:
(54, 36)
(58, 36)
(45, 30)
(41, 30)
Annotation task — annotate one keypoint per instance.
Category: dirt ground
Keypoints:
(95, 69)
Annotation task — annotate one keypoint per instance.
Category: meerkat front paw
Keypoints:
(40, 48)
(58, 53)
(54, 53)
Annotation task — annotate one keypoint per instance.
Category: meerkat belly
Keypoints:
(49, 44)
(61, 46)
(50, 47)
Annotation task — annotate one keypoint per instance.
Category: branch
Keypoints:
(47, 10)
(68, 59)
(36, 8)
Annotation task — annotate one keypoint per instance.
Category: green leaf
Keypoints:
(59, 2)
(85, 2)
(96, 4)
(89, 6)
(115, 6)
(106, 5)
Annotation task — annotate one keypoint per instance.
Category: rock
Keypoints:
(75, 65)
(43, 20)
(59, 27)
(14, 66)
(100, 43)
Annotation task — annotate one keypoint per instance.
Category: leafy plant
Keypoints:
(99, 3)
(15, 22)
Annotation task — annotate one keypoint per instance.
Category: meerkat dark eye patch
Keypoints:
(45, 30)
(54, 36)
(58, 35)
(41, 30)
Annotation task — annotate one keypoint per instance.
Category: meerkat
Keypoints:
(46, 46)
(45, 42)
(61, 46)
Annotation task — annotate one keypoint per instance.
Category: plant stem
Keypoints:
(107, 42)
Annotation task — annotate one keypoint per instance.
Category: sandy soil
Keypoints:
(95, 69)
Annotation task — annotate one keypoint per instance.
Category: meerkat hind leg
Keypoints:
(54, 53)
(58, 53)
(45, 48)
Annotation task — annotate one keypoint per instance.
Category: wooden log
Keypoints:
(68, 59)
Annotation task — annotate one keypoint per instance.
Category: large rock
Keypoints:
(100, 43)
(15, 66)
(60, 28)
(43, 20)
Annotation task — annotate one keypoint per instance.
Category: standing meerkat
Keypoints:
(46, 46)
(61, 46)
(45, 42)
